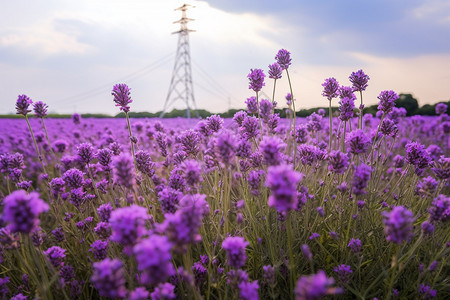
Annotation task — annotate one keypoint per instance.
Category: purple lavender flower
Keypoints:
(440, 208)
(306, 252)
(164, 291)
(99, 249)
(85, 152)
(417, 155)
(239, 117)
(108, 278)
(73, 178)
(360, 179)
(104, 211)
(256, 78)
(144, 163)
(301, 134)
(427, 228)
(426, 186)
(441, 168)
(183, 226)
(121, 93)
(269, 274)
(337, 162)
(60, 146)
(214, 123)
(314, 236)
(254, 181)
(282, 181)
(271, 148)
(330, 88)
(40, 109)
(283, 58)
(398, 224)
(66, 273)
(275, 71)
(190, 141)
(388, 127)
(315, 286)
(139, 293)
(200, 273)
(346, 108)
(192, 172)
(55, 255)
(124, 174)
(441, 108)
(21, 210)
(288, 98)
(154, 259)
(314, 123)
(357, 141)
(252, 106)
(23, 104)
(387, 101)
(58, 234)
(235, 248)
(169, 199)
(426, 291)
(354, 245)
(103, 230)
(76, 118)
(128, 224)
(359, 80)
(225, 145)
(250, 128)
(344, 273)
(265, 108)
(248, 290)
(3, 287)
(346, 92)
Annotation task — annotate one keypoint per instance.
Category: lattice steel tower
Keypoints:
(181, 87)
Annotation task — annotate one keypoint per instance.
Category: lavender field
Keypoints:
(340, 205)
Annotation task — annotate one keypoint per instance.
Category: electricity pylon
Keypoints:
(181, 87)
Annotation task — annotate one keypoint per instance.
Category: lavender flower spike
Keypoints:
(235, 248)
(398, 224)
(283, 58)
(282, 181)
(22, 105)
(359, 80)
(40, 109)
(330, 88)
(121, 93)
(256, 77)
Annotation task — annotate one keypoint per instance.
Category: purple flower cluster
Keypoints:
(282, 181)
(128, 224)
(121, 93)
(387, 101)
(22, 105)
(359, 80)
(398, 224)
(315, 286)
(256, 78)
(154, 259)
(108, 278)
(21, 210)
(235, 249)
(330, 88)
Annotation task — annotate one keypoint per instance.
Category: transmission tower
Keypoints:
(181, 87)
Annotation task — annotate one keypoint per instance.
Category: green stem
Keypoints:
(330, 112)
(343, 138)
(259, 116)
(293, 275)
(360, 123)
(294, 116)
(35, 144)
(273, 94)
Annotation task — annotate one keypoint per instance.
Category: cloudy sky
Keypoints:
(69, 53)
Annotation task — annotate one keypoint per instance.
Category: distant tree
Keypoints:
(426, 110)
(409, 103)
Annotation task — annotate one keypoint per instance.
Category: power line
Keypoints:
(129, 77)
